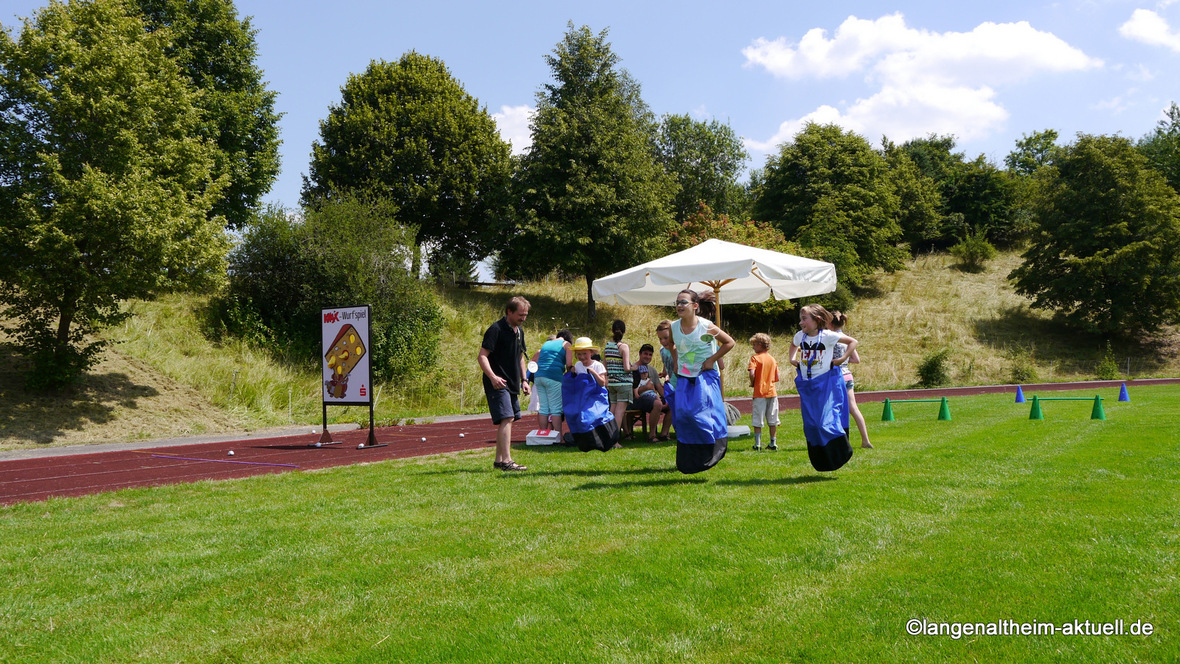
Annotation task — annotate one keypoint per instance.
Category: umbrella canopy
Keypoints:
(743, 274)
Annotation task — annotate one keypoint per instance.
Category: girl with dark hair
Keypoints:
(698, 411)
(616, 355)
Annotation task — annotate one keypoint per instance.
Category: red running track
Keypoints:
(84, 473)
(32, 479)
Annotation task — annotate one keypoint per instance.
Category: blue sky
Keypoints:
(987, 73)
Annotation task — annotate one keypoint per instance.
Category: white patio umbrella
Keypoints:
(739, 273)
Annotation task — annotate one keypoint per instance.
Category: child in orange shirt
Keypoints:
(763, 375)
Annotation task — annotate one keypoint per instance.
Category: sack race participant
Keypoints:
(823, 403)
(698, 411)
(823, 399)
(585, 403)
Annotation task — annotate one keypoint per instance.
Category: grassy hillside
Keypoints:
(162, 377)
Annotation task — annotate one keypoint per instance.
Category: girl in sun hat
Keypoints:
(585, 403)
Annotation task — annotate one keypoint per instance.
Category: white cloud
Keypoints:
(1150, 28)
(513, 125)
(1141, 74)
(1115, 105)
(920, 81)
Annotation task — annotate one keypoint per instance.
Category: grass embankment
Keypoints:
(163, 378)
(616, 557)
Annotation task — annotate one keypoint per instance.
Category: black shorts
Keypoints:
(502, 404)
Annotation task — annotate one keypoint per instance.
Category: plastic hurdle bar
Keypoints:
(1096, 413)
(944, 411)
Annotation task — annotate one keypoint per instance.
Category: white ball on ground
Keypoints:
(231, 453)
(460, 435)
(361, 446)
(424, 439)
(319, 444)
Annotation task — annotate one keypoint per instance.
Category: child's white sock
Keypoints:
(757, 439)
(773, 440)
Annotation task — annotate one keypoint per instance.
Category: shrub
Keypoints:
(974, 251)
(1108, 366)
(343, 252)
(1024, 373)
(934, 369)
(1024, 367)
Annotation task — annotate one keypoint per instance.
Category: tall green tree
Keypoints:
(1032, 152)
(706, 159)
(594, 196)
(918, 197)
(830, 191)
(1105, 255)
(1162, 147)
(408, 131)
(986, 199)
(975, 194)
(105, 181)
(216, 52)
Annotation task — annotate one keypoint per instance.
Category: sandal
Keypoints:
(653, 439)
(512, 465)
(663, 437)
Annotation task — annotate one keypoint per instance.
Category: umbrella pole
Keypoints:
(720, 373)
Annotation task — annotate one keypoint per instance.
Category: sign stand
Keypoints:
(345, 335)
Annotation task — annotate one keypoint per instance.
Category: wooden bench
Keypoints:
(629, 419)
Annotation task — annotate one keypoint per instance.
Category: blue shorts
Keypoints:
(646, 401)
(502, 404)
(548, 396)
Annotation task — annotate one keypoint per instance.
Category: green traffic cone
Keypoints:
(944, 411)
(1035, 413)
(1098, 413)
(887, 414)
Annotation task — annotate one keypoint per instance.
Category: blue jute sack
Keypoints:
(823, 403)
(587, 412)
(698, 413)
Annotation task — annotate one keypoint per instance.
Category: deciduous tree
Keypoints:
(1162, 147)
(705, 158)
(595, 198)
(830, 191)
(408, 131)
(1105, 255)
(216, 52)
(105, 180)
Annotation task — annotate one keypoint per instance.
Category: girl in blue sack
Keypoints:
(698, 411)
(823, 398)
(585, 403)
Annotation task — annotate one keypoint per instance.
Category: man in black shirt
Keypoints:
(502, 360)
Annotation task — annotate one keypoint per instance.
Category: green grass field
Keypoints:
(618, 558)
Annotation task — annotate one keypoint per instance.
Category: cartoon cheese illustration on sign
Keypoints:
(342, 358)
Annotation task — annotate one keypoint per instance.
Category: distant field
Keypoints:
(618, 558)
(163, 378)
